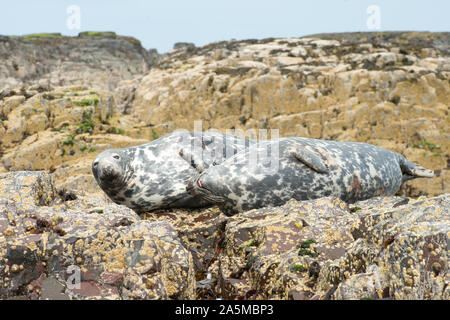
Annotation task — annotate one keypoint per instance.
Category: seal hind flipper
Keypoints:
(310, 159)
(194, 161)
(414, 170)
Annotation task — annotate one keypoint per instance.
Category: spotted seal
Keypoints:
(154, 175)
(302, 169)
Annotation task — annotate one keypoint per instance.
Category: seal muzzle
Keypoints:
(195, 187)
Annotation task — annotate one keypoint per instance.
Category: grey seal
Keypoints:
(154, 175)
(303, 169)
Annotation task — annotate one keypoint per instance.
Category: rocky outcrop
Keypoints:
(382, 248)
(57, 246)
(62, 130)
(408, 241)
(94, 59)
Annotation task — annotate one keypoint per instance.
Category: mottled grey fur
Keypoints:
(307, 169)
(154, 175)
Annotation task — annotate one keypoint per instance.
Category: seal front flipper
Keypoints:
(196, 162)
(310, 159)
(414, 170)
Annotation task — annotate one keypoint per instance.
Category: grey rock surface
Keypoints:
(99, 61)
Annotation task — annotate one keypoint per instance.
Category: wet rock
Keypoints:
(124, 95)
(62, 130)
(25, 189)
(52, 289)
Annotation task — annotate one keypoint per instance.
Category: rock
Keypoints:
(289, 247)
(62, 60)
(411, 239)
(382, 248)
(188, 46)
(124, 95)
(199, 230)
(114, 254)
(368, 285)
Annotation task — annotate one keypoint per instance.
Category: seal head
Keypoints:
(206, 187)
(153, 176)
(111, 169)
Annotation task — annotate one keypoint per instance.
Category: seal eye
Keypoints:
(116, 157)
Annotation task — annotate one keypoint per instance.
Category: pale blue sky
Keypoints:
(159, 24)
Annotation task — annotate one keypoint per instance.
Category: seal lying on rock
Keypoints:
(154, 175)
(273, 172)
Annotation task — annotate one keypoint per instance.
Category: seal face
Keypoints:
(112, 170)
(271, 173)
(154, 175)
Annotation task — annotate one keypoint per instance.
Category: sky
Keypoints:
(160, 24)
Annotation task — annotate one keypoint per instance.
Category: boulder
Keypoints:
(55, 247)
